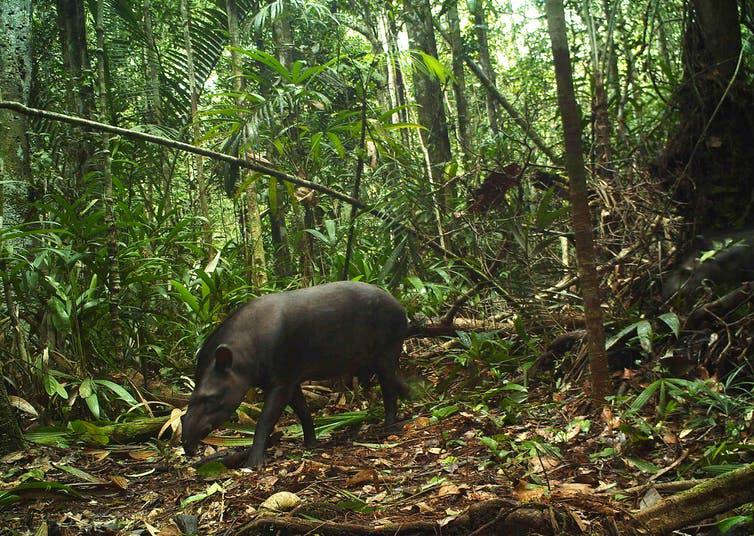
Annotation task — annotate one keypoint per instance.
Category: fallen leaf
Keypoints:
(526, 492)
(417, 424)
(142, 455)
(365, 475)
(424, 508)
(282, 501)
(119, 481)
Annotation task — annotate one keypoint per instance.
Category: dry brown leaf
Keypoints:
(120, 481)
(282, 501)
(450, 489)
(142, 455)
(98, 454)
(170, 530)
(575, 488)
(365, 475)
(526, 492)
(541, 464)
(417, 424)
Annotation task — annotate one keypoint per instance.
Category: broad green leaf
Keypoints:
(185, 295)
(434, 67)
(119, 390)
(92, 401)
(52, 386)
(60, 316)
(89, 433)
(86, 388)
(618, 336)
(337, 145)
(644, 466)
(672, 321)
(211, 490)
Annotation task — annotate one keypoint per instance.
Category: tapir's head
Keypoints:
(219, 390)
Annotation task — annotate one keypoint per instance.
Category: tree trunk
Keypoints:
(480, 29)
(15, 176)
(255, 258)
(582, 221)
(79, 85)
(391, 34)
(113, 266)
(196, 130)
(704, 501)
(282, 37)
(602, 163)
(431, 108)
(459, 82)
(708, 162)
(155, 113)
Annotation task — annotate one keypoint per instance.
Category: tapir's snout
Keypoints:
(190, 436)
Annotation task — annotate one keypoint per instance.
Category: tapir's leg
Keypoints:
(275, 400)
(392, 386)
(298, 403)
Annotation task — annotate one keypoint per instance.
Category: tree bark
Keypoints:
(430, 106)
(480, 29)
(196, 130)
(704, 501)
(582, 221)
(15, 177)
(79, 85)
(155, 111)
(708, 163)
(113, 266)
(255, 257)
(602, 148)
(282, 37)
(459, 81)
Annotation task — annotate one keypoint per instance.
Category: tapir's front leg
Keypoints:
(275, 400)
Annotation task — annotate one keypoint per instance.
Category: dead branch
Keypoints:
(721, 306)
(714, 496)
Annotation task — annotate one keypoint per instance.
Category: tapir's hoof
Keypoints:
(311, 444)
(255, 460)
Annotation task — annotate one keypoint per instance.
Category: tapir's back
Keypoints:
(331, 329)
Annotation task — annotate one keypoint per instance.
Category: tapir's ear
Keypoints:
(223, 358)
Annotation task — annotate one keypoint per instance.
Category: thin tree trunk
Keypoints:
(431, 107)
(601, 149)
(155, 112)
(282, 36)
(196, 130)
(391, 32)
(113, 266)
(480, 29)
(79, 90)
(582, 222)
(459, 81)
(255, 258)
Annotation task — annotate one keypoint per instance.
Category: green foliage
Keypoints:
(645, 333)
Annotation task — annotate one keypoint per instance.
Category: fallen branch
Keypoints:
(721, 306)
(714, 496)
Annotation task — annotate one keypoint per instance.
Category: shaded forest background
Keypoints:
(417, 146)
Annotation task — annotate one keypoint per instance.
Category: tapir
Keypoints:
(279, 340)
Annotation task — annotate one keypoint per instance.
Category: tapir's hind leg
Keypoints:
(392, 385)
(304, 414)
